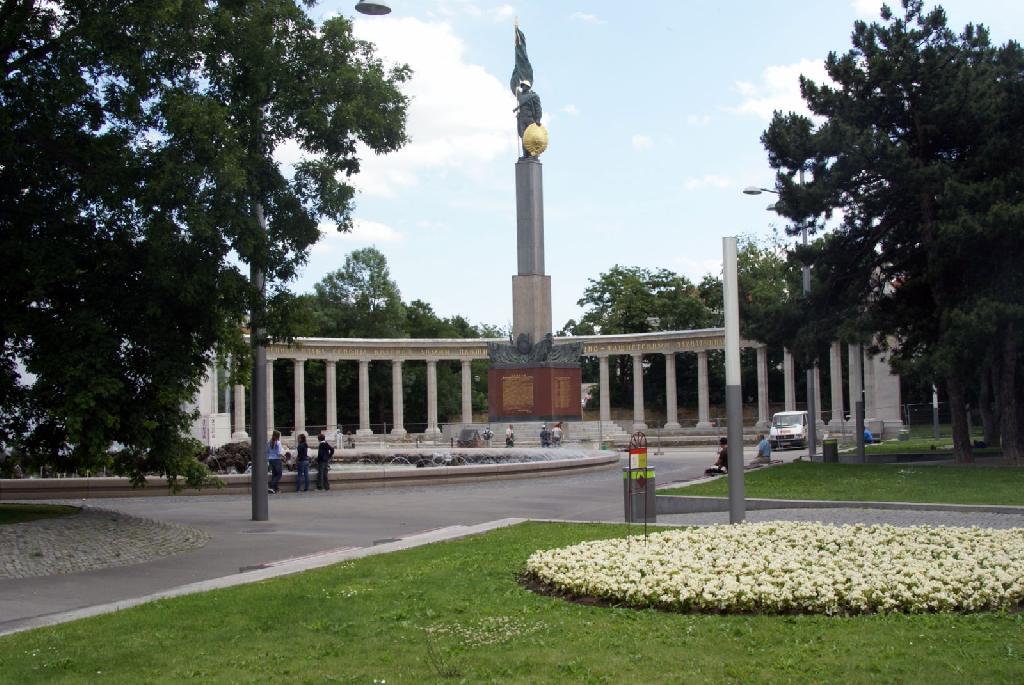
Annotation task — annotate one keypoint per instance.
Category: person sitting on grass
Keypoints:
(868, 438)
(764, 450)
(721, 464)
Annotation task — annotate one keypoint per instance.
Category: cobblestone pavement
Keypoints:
(851, 515)
(92, 539)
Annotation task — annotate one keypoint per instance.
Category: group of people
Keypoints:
(275, 459)
(721, 465)
(551, 437)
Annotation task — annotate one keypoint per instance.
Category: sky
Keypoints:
(654, 112)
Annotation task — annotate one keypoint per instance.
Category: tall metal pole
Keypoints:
(733, 390)
(258, 406)
(812, 405)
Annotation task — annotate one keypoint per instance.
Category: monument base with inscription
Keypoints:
(539, 393)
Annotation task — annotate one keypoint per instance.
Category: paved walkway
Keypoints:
(336, 522)
(91, 539)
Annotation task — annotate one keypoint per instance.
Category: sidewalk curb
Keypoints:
(267, 571)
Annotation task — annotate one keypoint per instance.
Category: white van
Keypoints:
(789, 429)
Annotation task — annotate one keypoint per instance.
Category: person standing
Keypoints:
(302, 464)
(510, 436)
(556, 435)
(324, 452)
(274, 460)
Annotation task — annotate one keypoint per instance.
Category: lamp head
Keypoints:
(752, 190)
(372, 8)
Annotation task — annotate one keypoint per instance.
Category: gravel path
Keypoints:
(851, 515)
(91, 539)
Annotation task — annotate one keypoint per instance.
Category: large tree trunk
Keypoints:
(988, 407)
(958, 413)
(1008, 390)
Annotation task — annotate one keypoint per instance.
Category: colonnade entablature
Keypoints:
(406, 349)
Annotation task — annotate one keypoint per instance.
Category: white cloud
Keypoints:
(571, 110)
(586, 18)
(867, 9)
(695, 270)
(363, 231)
(642, 142)
(503, 12)
(698, 119)
(707, 181)
(460, 116)
(779, 89)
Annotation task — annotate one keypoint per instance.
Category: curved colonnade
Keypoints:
(879, 380)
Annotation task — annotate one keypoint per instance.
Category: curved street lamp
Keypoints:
(812, 409)
(372, 8)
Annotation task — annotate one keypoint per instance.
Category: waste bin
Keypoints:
(638, 494)
(830, 451)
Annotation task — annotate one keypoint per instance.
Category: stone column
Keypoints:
(467, 392)
(239, 433)
(331, 390)
(638, 393)
(671, 400)
(788, 382)
(364, 398)
(703, 402)
(763, 420)
(856, 381)
(817, 394)
(835, 372)
(603, 389)
(270, 397)
(397, 398)
(300, 397)
(431, 430)
(870, 396)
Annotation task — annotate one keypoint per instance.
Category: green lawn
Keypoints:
(20, 513)
(875, 482)
(924, 445)
(454, 613)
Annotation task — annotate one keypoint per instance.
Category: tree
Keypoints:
(361, 300)
(918, 151)
(135, 158)
(638, 300)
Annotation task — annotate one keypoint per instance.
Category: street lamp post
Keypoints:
(812, 409)
(258, 416)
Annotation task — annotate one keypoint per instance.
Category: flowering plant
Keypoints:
(787, 567)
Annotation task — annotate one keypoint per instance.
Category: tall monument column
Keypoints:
(533, 378)
(531, 288)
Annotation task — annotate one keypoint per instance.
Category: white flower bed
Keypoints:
(796, 567)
